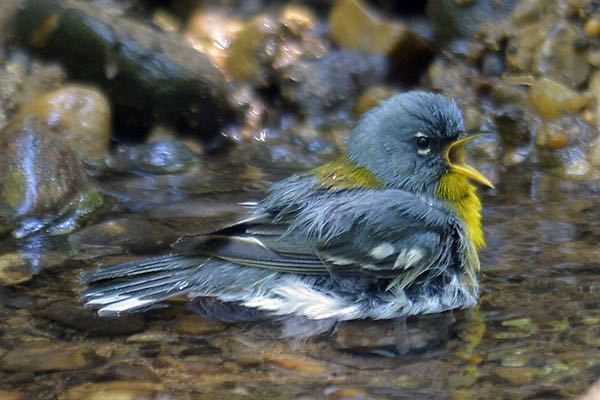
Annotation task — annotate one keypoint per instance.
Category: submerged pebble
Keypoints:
(48, 357)
(14, 269)
(161, 157)
(121, 390)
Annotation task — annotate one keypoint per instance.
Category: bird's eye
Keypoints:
(423, 143)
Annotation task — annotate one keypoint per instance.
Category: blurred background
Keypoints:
(126, 124)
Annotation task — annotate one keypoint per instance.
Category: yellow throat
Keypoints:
(462, 197)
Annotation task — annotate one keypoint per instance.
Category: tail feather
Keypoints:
(139, 285)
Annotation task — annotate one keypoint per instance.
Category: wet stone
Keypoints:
(6, 395)
(353, 26)
(161, 157)
(462, 18)
(70, 313)
(295, 363)
(14, 269)
(249, 56)
(122, 390)
(42, 183)
(196, 325)
(126, 372)
(324, 89)
(559, 57)
(79, 115)
(394, 337)
(372, 97)
(551, 99)
(48, 356)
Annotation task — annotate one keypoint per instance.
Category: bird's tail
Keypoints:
(139, 285)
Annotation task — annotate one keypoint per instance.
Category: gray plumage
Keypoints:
(328, 254)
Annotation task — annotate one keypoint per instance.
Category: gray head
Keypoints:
(406, 142)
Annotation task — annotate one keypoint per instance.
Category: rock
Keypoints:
(592, 27)
(295, 363)
(161, 157)
(354, 27)
(371, 98)
(42, 183)
(149, 75)
(323, 89)
(135, 234)
(80, 115)
(522, 47)
(389, 337)
(453, 19)
(14, 269)
(561, 58)
(298, 19)
(129, 372)
(212, 32)
(250, 55)
(69, 313)
(48, 357)
(121, 390)
(552, 99)
(517, 375)
(195, 325)
(512, 123)
(5, 395)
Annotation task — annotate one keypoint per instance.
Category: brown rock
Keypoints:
(372, 97)
(298, 19)
(296, 363)
(80, 115)
(552, 99)
(559, 59)
(121, 390)
(592, 27)
(196, 325)
(355, 27)
(5, 395)
(249, 56)
(212, 32)
(47, 357)
(14, 269)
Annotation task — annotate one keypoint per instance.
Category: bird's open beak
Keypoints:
(455, 157)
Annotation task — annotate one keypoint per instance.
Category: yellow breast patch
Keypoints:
(462, 197)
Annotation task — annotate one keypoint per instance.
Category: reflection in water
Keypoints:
(533, 335)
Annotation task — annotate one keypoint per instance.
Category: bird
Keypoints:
(391, 229)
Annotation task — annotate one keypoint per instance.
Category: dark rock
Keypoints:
(324, 89)
(453, 19)
(70, 313)
(394, 337)
(149, 75)
(162, 157)
(42, 183)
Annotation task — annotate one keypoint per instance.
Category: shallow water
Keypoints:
(534, 335)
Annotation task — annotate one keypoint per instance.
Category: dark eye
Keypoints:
(423, 143)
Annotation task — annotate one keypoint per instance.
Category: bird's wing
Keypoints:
(388, 234)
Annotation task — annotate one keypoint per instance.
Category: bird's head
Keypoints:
(413, 140)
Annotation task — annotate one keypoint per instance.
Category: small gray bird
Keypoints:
(391, 229)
